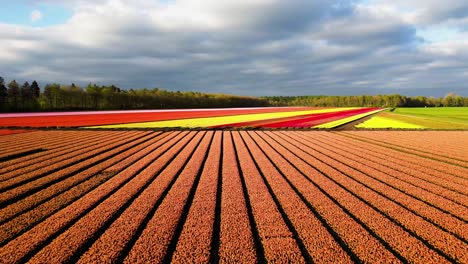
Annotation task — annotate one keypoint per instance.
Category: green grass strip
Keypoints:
(450, 118)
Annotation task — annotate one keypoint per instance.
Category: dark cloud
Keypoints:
(238, 47)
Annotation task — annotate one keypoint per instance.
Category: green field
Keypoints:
(420, 118)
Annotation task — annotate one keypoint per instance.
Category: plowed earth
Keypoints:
(233, 197)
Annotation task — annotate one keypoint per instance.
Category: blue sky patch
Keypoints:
(19, 13)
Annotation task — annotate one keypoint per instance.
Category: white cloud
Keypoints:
(36, 15)
(248, 47)
(270, 67)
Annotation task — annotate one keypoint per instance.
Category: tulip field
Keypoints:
(267, 117)
(230, 196)
(435, 118)
(240, 185)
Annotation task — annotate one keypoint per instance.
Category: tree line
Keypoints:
(392, 100)
(57, 97)
(15, 97)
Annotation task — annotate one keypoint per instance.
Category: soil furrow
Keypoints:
(399, 239)
(461, 164)
(195, 241)
(99, 220)
(158, 237)
(432, 214)
(448, 146)
(320, 245)
(457, 210)
(237, 242)
(277, 240)
(61, 195)
(25, 246)
(62, 149)
(398, 176)
(431, 235)
(50, 165)
(369, 152)
(111, 166)
(356, 238)
(77, 165)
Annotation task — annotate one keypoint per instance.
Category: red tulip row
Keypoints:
(95, 118)
(11, 131)
(302, 121)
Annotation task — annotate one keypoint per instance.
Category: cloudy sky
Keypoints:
(250, 47)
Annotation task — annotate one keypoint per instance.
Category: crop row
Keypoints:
(10, 131)
(433, 142)
(222, 121)
(232, 196)
(95, 118)
(309, 120)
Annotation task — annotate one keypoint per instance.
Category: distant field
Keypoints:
(219, 120)
(264, 117)
(93, 118)
(420, 118)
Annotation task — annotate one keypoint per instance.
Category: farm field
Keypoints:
(420, 118)
(100, 196)
(12, 131)
(267, 117)
(92, 118)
